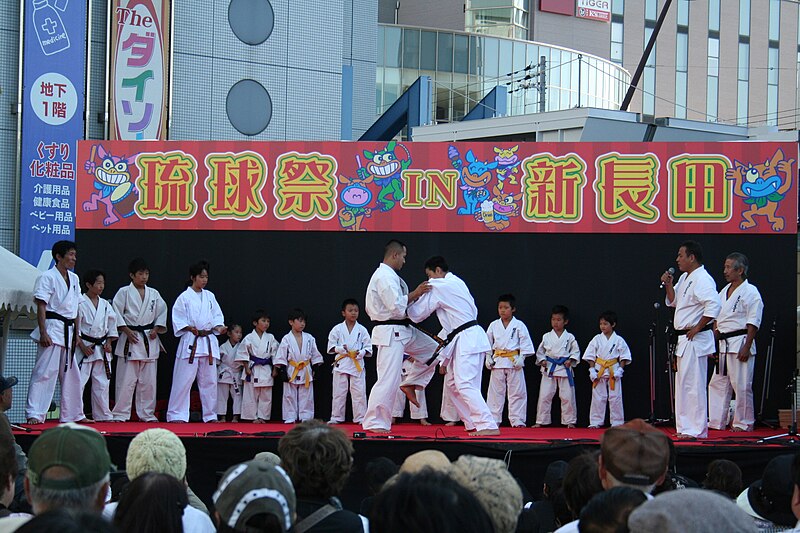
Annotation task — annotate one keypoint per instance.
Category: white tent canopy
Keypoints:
(16, 283)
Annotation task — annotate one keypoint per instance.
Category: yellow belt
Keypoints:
(298, 366)
(508, 354)
(352, 355)
(605, 366)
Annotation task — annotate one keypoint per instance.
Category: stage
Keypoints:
(211, 448)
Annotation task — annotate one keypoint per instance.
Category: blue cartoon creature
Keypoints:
(385, 168)
(355, 197)
(112, 181)
(474, 178)
(763, 186)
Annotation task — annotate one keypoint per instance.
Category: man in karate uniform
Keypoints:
(56, 294)
(143, 316)
(736, 328)
(467, 345)
(696, 305)
(386, 302)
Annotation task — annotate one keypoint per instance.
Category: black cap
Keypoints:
(7, 383)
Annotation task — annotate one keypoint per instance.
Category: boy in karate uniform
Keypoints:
(142, 314)
(229, 385)
(296, 355)
(98, 327)
(607, 354)
(511, 344)
(349, 342)
(557, 354)
(255, 354)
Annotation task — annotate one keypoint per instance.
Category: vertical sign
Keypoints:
(54, 69)
(139, 47)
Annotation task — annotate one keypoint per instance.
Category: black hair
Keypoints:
(296, 313)
(152, 502)
(509, 299)
(349, 301)
(608, 316)
(693, 248)
(258, 314)
(562, 310)
(725, 477)
(608, 511)
(138, 265)
(377, 471)
(196, 269)
(393, 246)
(581, 481)
(89, 277)
(62, 248)
(436, 261)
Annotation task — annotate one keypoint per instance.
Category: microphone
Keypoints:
(670, 271)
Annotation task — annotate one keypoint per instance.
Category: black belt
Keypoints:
(94, 341)
(68, 323)
(680, 332)
(719, 358)
(397, 322)
(143, 331)
(728, 335)
(202, 333)
(451, 337)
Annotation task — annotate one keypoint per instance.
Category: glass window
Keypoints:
(682, 51)
(772, 105)
(444, 52)
(410, 48)
(713, 66)
(744, 61)
(491, 62)
(461, 54)
(744, 17)
(650, 10)
(680, 94)
(713, 15)
(505, 57)
(711, 99)
(427, 50)
(519, 60)
(617, 7)
(742, 94)
(392, 47)
(774, 20)
(683, 12)
(616, 52)
(772, 64)
(616, 32)
(475, 55)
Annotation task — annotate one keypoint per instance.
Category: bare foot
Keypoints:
(33, 422)
(570, 426)
(518, 426)
(450, 424)
(216, 421)
(235, 419)
(484, 432)
(259, 421)
(411, 393)
(424, 422)
(177, 421)
(381, 431)
(536, 426)
(85, 420)
(734, 429)
(684, 436)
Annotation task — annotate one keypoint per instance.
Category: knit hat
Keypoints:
(252, 488)
(268, 457)
(635, 453)
(493, 485)
(770, 498)
(156, 450)
(695, 510)
(80, 449)
(433, 459)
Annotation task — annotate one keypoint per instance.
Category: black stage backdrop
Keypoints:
(588, 273)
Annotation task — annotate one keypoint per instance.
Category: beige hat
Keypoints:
(268, 457)
(494, 486)
(156, 450)
(433, 459)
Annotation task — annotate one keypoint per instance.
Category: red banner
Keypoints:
(737, 187)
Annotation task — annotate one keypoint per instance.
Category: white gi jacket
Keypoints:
(199, 310)
(695, 297)
(556, 347)
(298, 362)
(98, 323)
(742, 308)
(263, 347)
(136, 311)
(51, 288)
(514, 337)
(357, 341)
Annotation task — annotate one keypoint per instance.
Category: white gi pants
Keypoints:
(720, 389)
(358, 396)
(417, 413)
(514, 380)
(298, 402)
(49, 366)
(547, 390)
(464, 379)
(225, 391)
(256, 402)
(96, 370)
(691, 400)
(448, 411)
(602, 394)
(135, 377)
(389, 363)
(183, 375)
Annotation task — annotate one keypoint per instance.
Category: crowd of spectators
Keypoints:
(628, 485)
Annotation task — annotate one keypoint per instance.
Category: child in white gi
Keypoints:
(557, 354)
(607, 354)
(143, 316)
(400, 400)
(255, 354)
(98, 327)
(229, 385)
(349, 341)
(196, 318)
(296, 355)
(511, 344)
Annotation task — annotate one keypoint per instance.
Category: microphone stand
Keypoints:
(653, 419)
(767, 374)
(792, 433)
(672, 346)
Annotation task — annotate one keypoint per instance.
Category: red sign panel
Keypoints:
(562, 7)
(453, 187)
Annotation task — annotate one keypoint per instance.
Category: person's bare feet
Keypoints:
(734, 429)
(684, 436)
(381, 431)
(536, 426)
(424, 422)
(33, 422)
(518, 426)
(259, 421)
(570, 426)
(484, 432)
(411, 394)
(450, 424)
(85, 420)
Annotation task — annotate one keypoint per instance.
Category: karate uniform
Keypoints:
(555, 377)
(510, 346)
(695, 297)
(348, 370)
(57, 361)
(229, 383)
(199, 310)
(448, 410)
(400, 400)
(257, 388)
(604, 355)
(454, 306)
(387, 299)
(97, 323)
(138, 368)
(742, 308)
(298, 392)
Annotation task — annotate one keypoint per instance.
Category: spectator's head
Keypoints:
(770, 498)
(695, 510)
(433, 459)
(378, 471)
(493, 486)
(67, 521)
(152, 503)
(268, 457)
(634, 454)
(68, 467)
(553, 478)
(255, 496)
(156, 450)
(317, 457)
(428, 502)
(581, 482)
(725, 477)
(6, 392)
(8, 463)
(608, 511)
